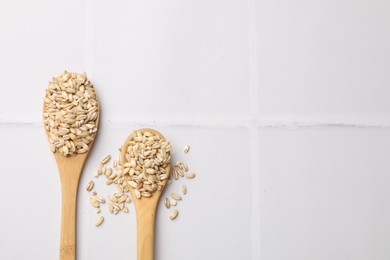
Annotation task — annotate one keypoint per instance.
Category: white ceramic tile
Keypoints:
(325, 194)
(30, 196)
(324, 60)
(169, 60)
(38, 41)
(212, 215)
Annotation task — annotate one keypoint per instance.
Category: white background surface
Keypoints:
(285, 105)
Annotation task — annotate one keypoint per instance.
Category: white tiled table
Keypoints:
(284, 103)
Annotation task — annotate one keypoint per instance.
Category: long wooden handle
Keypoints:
(145, 232)
(68, 219)
(70, 169)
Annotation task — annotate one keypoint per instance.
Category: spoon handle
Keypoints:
(68, 218)
(70, 169)
(145, 231)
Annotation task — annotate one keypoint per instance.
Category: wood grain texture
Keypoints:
(70, 169)
(145, 211)
(146, 216)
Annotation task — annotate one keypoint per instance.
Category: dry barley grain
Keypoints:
(111, 207)
(166, 203)
(94, 202)
(90, 185)
(100, 199)
(190, 175)
(99, 221)
(106, 159)
(108, 173)
(184, 189)
(175, 196)
(112, 198)
(174, 214)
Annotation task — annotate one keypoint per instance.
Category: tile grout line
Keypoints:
(214, 124)
(88, 47)
(88, 57)
(256, 246)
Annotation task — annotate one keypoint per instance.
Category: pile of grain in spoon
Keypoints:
(126, 176)
(70, 113)
(147, 156)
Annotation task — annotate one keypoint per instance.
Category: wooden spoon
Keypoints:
(70, 169)
(145, 210)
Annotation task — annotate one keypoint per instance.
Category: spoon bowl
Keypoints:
(145, 208)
